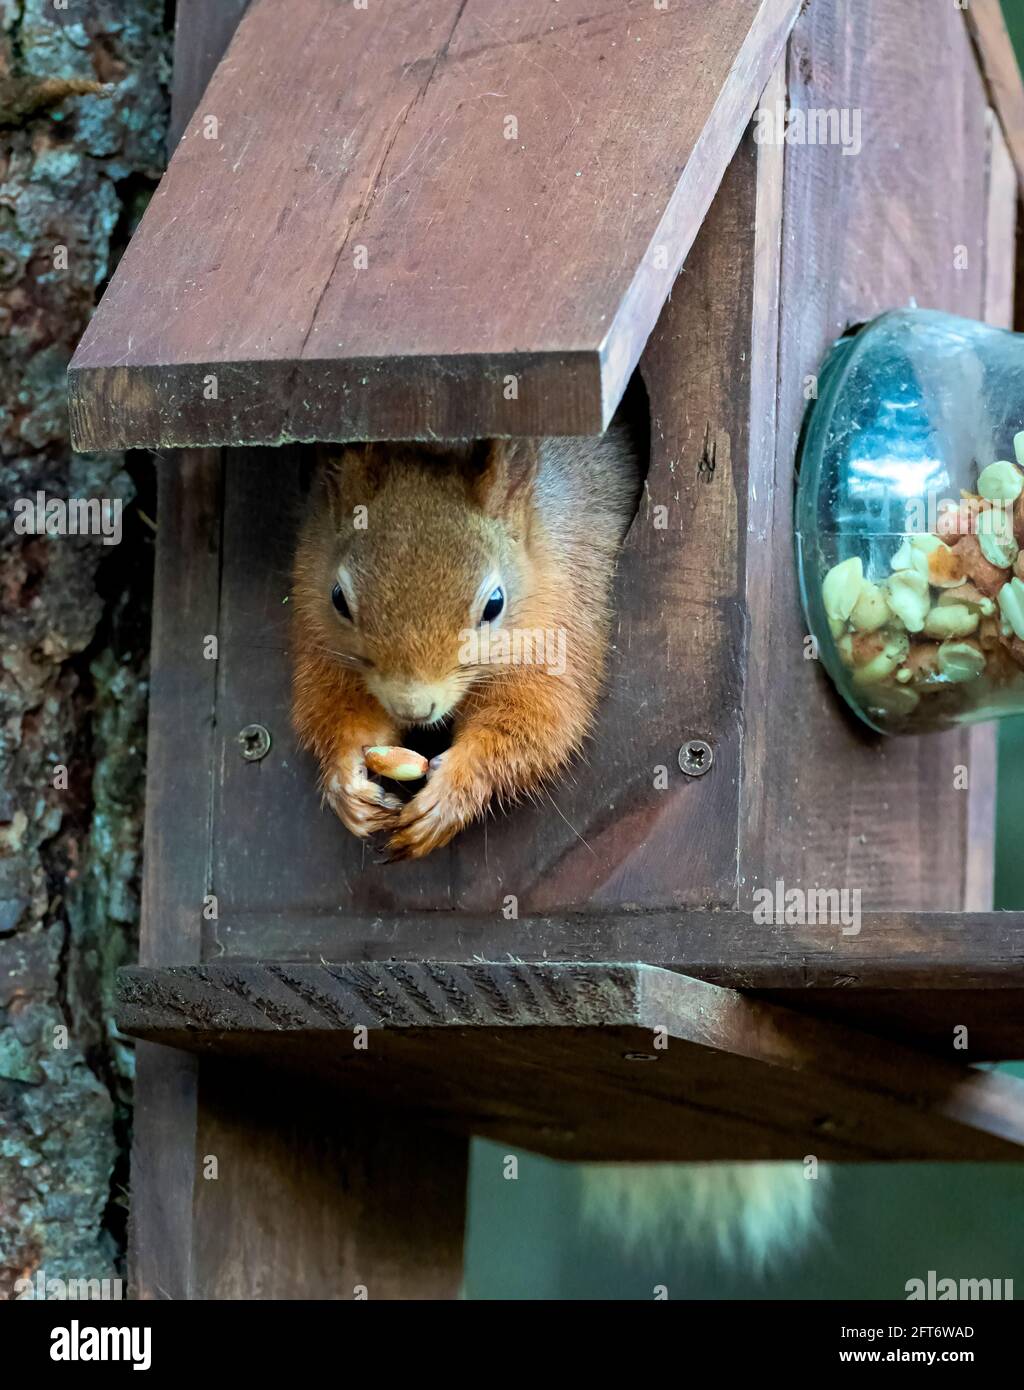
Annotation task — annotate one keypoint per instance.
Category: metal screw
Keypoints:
(639, 1056)
(254, 741)
(696, 757)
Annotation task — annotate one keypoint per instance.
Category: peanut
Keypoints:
(921, 664)
(841, 588)
(961, 661)
(400, 764)
(945, 569)
(874, 655)
(970, 595)
(871, 611)
(1001, 481)
(909, 598)
(987, 577)
(995, 536)
(950, 620)
(1011, 606)
(890, 698)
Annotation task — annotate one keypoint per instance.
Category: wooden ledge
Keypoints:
(349, 242)
(891, 950)
(597, 1061)
(909, 976)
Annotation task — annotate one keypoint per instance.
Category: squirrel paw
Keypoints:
(362, 806)
(452, 797)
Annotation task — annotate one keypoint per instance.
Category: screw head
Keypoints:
(639, 1056)
(254, 741)
(696, 757)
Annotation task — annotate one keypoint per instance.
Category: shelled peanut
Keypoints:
(399, 764)
(949, 613)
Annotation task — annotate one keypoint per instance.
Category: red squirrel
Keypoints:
(467, 582)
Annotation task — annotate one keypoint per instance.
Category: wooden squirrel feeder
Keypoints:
(348, 244)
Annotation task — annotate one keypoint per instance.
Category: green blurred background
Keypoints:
(884, 1223)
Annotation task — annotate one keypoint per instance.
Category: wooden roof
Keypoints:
(525, 182)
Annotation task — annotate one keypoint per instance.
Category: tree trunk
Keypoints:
(83, 115)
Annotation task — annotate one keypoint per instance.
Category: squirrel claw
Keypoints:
(362, 806)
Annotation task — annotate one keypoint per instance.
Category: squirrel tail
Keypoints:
(749, 1213)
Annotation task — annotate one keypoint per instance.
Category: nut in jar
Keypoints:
(942, 631)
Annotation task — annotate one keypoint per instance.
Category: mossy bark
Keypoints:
(76, 168)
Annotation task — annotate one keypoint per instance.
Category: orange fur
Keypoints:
(416, 531)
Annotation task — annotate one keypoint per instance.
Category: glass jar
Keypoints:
(910, 519)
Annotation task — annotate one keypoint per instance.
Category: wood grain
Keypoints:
(926, 950)
(1001, 229)
(183, 683)
(827, 803)
(912, 976)
(315, 1201)
(179, 773)
(1001, 71)
(245, 265)
(983, 740)
(202, 32)
(614, 1062)
(760, 555)
(961, 1025)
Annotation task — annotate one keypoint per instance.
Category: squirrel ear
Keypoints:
(502, 473)
(351, 477)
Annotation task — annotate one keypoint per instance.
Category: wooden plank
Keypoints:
(962, 1025)
(176, 857)
(246, 266)
(1000, 264)
(831, 805)
(912, 950)
(180, 745)
(315, 1202)
(910, 976)
(202, 32)
(761, 556)
(617, 1062)
(1001, 71)
(1001, 230)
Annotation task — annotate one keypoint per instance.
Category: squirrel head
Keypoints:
(409, 551)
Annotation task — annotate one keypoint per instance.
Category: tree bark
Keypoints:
(83, 116)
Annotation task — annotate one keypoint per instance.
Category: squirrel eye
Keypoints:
(493, 606)
(340, 602)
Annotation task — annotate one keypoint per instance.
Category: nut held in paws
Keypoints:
(400, 764)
